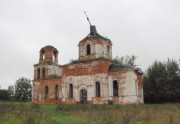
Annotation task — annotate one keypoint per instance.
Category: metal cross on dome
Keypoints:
(87, 18)
(92, 27)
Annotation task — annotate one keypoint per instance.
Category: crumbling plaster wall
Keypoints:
(98, 49)
(128, 86)
(86, 82)
(50, 70)
(83, 46)
(54, 70)
(130, 94)
(51, 85)
(35, 91)
(102, 50)
(120, 77)
(38, 91)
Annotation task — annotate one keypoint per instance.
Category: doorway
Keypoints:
(83, 96)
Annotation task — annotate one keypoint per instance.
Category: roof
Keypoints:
(49, 47)
(139, 70)
(115, 67)
(93, 34)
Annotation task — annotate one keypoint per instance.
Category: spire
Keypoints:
(93, 30)
(87, 18)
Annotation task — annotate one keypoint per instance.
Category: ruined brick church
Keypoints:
(93, 78)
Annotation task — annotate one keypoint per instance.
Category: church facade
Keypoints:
(93, 78)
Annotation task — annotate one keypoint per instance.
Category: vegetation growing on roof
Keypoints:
(88, 60)
(125, 60)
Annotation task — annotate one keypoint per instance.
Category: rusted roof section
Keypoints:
(115, 67)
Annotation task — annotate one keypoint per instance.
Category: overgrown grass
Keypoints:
(131, 114)
(27, 113)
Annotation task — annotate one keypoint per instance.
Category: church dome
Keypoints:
(49, 47)
(115, 67)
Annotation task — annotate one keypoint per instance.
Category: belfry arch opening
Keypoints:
(43, 73)
(108, 49)
(43, 54)
(115, 88)
(54, 57)
(88, 49)
(38, 73)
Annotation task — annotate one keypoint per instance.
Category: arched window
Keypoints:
(38, 73)
(98, 89)
(56, 91)
(115, 88)
(70, 91)
(54, 55)
(43, 73)
(43, 54)
(88, 49)
(46, 92)
(136, 87)
(108, 49)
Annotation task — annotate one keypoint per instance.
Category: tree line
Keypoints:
(161, 82)
(20, 91)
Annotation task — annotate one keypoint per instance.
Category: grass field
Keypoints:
(28, 113)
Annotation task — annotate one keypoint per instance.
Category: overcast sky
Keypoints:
(149, 29)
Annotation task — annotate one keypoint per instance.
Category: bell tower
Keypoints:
(48, 67)
(48, 54)
(94, 46)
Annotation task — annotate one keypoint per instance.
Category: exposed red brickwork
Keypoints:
(90, 79)
(94, 43)
(89, 68)
(140, 83)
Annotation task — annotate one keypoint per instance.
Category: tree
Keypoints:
(23, 89)
(11, 90)
(4, 95)
(173, 85)
(125, 60)
(161, 83)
